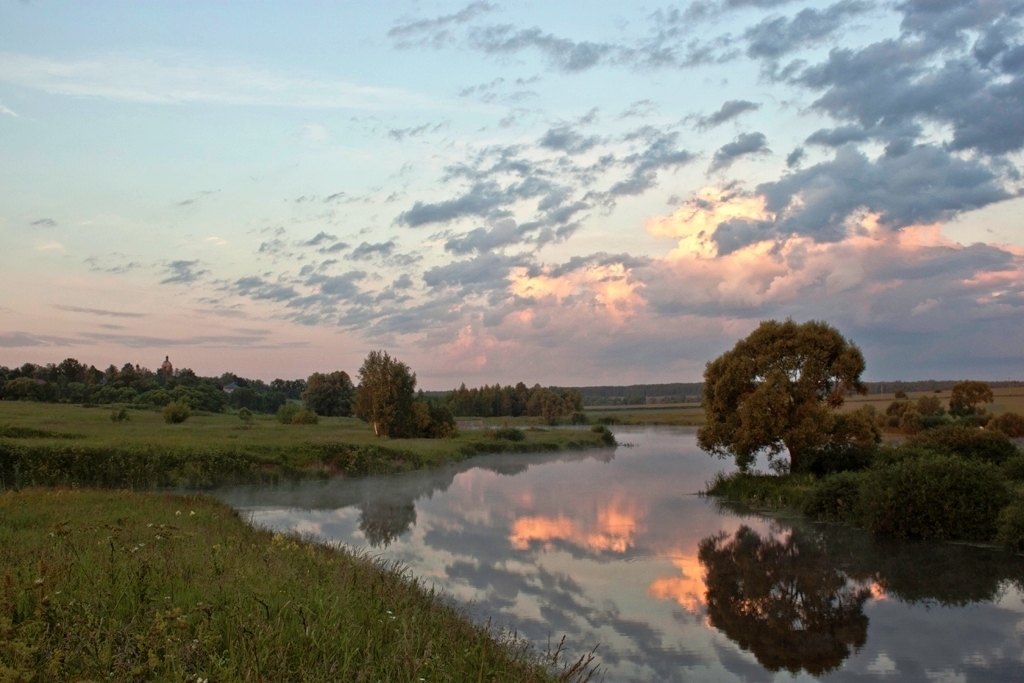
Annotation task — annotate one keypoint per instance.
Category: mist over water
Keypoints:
(616, 549)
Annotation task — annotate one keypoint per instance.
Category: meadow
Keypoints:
(66, 445)
(122, 586)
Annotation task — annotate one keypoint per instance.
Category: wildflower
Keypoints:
(39, 582)
(178, 513)
(191, 513)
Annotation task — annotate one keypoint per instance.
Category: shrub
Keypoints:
(1014, 468)
(579, 418)
(304, 416)
(910, 421)
(119, 415)
(608, 420)
(176, 413)
(762, 490)
(940, 497)
(967, 442)
(1011, 527)
(286, 412)
(510, 434)
(930, 406)
(933, 421)
(245, 415)
(836, 498)
(833, 458)
(606, 435)
(1010, 424)
(900, 394)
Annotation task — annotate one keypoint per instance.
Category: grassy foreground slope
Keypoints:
(119, 586)
(64, 445)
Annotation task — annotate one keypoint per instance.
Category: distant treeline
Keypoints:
(72, 382)
(513, 401)
(929, 385)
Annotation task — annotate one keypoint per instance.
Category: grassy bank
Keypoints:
(950, 483)
(63, 445)
(120, 586)
(680, 415)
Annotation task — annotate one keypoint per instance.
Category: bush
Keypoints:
(834, 458)
(176, 413)
(836, 498)
(1010, 424)
(930, 406)
(579, 418)
(304, 416)
(910, 421)
(510, 434)
(1014, 468)
(967, 442)
(762, 490)
(245, 415)
(939, 497)
(1011, 527)
(606, 435)
(119, 415)
(286, 412)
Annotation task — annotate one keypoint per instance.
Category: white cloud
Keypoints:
(181, 80)
(5, 110)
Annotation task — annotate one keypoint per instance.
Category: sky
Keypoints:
(552, 192)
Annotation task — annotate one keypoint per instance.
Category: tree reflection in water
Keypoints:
(382, 523)
(783, 600)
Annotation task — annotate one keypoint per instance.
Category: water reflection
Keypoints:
(783, 600)
(615, 548)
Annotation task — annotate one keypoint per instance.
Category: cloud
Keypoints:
(14, 340)
(7, 111)
(99, 311)
(140, 341)
(256, 287)
(318, 239)
(745, 144)
(148, 80)
(562, 54)
(436, 32)
(183, 272)
(774, 37)
(52, 245)
(728, 111)
(44, 223)
(367, 251)
(662, 153)
(568, 140)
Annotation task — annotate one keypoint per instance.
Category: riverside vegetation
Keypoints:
(777, 393)
(108, 585)
(121, 586)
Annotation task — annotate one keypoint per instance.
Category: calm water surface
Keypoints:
(614, 548)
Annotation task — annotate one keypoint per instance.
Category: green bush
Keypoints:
(1011, 527)
(176, 413)
(763, 490)
(940, 497)
(304, 416)
(967, 442)
(1010, 424)
(510, 434)
(836, 498)
(833, 458)
(119, 415)
(579, 418)
(910, 421)
(1014, 468)
(286, 412)
(245, 415)
(606, 435)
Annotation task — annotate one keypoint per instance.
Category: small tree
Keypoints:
(966, 396)
(777, 389)
(176, 413)
(329, 394)
(385, 395)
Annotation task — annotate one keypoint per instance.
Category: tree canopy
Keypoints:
(329, 394)
(385, 395)
(965, 398)
(778, 389)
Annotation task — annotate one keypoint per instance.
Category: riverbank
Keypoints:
(121, 586)
(68, 445)
(950, 483)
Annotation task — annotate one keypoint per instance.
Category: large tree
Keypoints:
(385, 395)
(778, 389)
(329, 394)
(966, 397)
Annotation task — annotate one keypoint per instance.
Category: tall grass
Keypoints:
(119, 586)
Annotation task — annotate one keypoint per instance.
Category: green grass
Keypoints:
(684, 415)
(65, 445)
(763, 491)
(119, 586)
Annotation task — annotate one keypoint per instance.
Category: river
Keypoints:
(615, 548)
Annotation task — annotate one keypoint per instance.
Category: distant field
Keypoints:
(682, 414)
(1007, 400)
